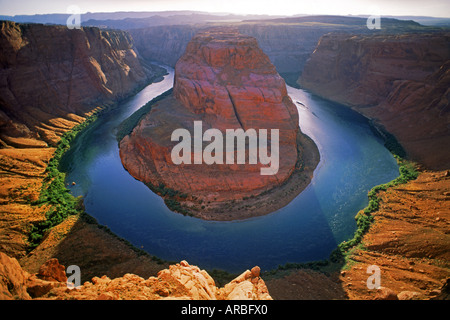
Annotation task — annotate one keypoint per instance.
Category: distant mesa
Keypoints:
(225, 81)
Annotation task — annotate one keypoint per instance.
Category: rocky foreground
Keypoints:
(181, 281)
(227, 82)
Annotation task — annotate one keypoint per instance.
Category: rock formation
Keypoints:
(409, 242)
(227, 82)
(181, 281)
(288, 42)
(401, 81)
(51, 78)
(50, 75)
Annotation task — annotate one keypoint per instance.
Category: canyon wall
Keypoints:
(227, 82)
(50, 74)
(401, 81)
(51, 78)
(288, 42)
(287, 45)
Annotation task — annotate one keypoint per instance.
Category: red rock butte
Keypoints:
(226, 81)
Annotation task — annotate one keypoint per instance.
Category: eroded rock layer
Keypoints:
(401, 81)
(51, 76)
(51, 79)
(227, 82)
(181, 281)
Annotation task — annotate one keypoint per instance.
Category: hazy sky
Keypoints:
(437, 8)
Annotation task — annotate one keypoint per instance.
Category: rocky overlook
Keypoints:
(227, 82)
(401, 81)
(181, 281)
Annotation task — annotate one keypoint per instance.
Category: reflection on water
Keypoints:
(353, 160)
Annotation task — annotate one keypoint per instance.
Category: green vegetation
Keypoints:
(62, 204)
(127, 126)
(364, 218)
(54, 191)
(340, 256)
(171, 197)
(221, 277)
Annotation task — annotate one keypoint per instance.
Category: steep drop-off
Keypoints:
(50, 75)
(51, 78)
(400, 81)
(181, 281)
(288, 46)
(288, 42)
(227, 82)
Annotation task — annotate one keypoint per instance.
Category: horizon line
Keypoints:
(231, 13)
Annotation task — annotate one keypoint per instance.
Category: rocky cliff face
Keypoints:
(50, 79)
(227, 82)
(408, 241)
(402, 81)
(181, 281)
(165, 44)
(50, 75)
(288, 45)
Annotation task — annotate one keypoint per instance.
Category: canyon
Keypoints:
(226, 81)
(401, 82)
(288, 42)
(53, 78)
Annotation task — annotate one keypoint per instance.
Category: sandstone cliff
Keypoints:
(227, 82)
(401, 81)
(287, 45)
(288, 42)
(409, 242)
(181, 281)
(51, 78)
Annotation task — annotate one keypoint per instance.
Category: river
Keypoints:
(353, 160)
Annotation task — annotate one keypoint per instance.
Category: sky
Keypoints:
(435, 8)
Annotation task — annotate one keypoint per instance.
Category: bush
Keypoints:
(364, 218)
(54, 191)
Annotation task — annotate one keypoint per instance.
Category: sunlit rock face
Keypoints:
(225, 81)
(51, 76)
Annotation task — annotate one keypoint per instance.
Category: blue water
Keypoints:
(353, 160)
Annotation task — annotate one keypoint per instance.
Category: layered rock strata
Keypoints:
(225, 81)
(51, 78)
(400, 81)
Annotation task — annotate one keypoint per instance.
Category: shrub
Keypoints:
(54, 191)
(364, 218)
